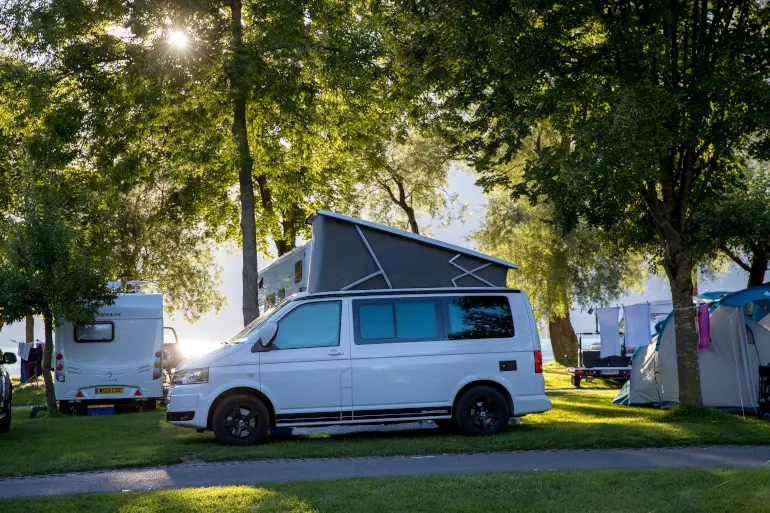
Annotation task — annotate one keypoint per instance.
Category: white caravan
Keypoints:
(116, 359)
(284, 277)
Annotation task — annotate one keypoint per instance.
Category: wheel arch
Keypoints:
(483, 382)
(242, 390)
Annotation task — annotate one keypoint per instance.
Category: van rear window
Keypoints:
(474, 317)
(97, 332)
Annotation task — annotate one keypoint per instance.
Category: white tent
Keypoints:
(729, 368)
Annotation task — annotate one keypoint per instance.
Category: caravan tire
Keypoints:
(482, 411)
(241, 420)
(64, 407)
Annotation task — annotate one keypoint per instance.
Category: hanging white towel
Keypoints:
(608, 331)
(637, 324)
(24, 350)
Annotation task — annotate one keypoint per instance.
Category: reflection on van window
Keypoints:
(310, 325)
(480, 317)
(243, 335)
(97, 332)
(416, 319)
(377, 321)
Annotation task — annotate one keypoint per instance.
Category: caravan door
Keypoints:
(308, 363)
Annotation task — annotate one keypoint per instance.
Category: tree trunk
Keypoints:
(30, 329)
(758, 268)
(564, 341)
(50, 395)
(245, 165)
(679, 268)
(412, 220)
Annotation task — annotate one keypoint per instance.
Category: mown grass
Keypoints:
(556, 378)
(578, 420)
(29, 394)
(556, 491)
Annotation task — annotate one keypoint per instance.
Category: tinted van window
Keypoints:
(475, 317)
(381, 321)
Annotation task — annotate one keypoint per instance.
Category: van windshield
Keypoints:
(243, 335)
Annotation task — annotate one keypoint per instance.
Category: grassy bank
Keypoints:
(578, 420)
(557, 491)
(29, 394)
(556, 378)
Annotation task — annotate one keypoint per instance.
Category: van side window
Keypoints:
(96, 332)
(382, 321)
(474, 317)
(310, 325)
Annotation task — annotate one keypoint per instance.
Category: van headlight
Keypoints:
(190, 377)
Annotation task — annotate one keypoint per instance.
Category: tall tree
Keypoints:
(660, 101)
(408, 180)
(55, 259)
(740, 223)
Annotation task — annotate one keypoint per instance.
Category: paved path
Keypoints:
(277, 471)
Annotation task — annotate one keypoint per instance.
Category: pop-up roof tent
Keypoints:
(352, 254)
(729, 368)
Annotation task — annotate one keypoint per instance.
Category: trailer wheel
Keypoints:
(576, 381)
(241, 420)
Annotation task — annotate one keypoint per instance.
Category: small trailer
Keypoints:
(592, 366)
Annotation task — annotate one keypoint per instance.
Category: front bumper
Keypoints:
(185, 406)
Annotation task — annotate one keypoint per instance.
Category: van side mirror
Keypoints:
(9, 358)
(267, 333)
(265, 336)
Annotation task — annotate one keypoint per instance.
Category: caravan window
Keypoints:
(96, 332)
(298, 271)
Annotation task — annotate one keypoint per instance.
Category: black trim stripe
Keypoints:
(347, 415)
(458, 291)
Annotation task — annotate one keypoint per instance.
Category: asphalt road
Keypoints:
(277, 471)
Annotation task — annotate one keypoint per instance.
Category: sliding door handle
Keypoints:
(335, 352)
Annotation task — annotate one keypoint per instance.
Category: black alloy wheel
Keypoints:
(241, 420)
(482, 411)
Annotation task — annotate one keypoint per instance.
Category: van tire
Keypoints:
(482, 411)
(249, 410)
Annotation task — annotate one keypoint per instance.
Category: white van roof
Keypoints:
(133, 306)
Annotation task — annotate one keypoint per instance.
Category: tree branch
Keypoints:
(736, 258)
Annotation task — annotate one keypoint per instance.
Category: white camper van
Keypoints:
(284, 277)
(394, 327)
(116, 359)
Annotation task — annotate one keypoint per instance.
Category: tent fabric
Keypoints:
(608, 331)
(352, 254)
(746, 296)
(636, 320)
(729, 368)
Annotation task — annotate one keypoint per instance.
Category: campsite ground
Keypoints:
(556, 378)
(29, 394)
(584, 419)
(594, 490)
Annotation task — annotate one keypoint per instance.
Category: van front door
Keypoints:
(306, 370)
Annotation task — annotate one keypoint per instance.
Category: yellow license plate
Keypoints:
(109, 390)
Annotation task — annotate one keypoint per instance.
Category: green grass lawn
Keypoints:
(556, 378)
(578, 420)
(29, 394)
(557, 491)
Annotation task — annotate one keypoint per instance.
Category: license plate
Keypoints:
(609, 373)
(109, 390)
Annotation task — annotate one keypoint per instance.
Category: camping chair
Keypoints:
(764, 390)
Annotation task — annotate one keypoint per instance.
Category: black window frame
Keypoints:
(448, 324)
(360, 341)
(273, 347)
(98, 341)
